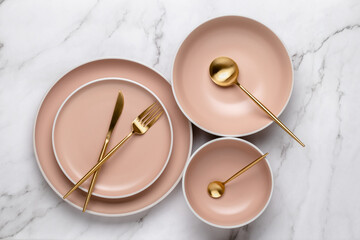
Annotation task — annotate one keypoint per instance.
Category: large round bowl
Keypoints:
(265, 70)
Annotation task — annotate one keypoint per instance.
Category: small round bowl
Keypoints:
(245, 198)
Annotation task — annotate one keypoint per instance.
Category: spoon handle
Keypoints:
(245, 168)
(270, 114)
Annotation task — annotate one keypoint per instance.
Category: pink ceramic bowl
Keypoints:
(245, 198)
(265, 70)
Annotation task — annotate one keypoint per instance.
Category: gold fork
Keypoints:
(140, 126)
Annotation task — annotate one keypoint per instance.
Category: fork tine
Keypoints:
(146, 111)
(152, 110)
(153, 121)
(151, 115)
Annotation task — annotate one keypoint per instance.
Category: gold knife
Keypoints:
(116, 114)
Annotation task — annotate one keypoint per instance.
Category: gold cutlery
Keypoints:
(140, 126)
(216, 188)
(116, 114)
(224, 72)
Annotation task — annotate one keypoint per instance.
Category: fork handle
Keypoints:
(99, 164)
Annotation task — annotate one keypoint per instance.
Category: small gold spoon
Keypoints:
(216, 188)
(224, 72)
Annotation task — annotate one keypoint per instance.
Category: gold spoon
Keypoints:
(224, 72)
(216, 188)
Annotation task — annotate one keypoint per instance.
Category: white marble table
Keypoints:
(316, 193)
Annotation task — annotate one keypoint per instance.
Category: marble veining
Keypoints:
(316, 195)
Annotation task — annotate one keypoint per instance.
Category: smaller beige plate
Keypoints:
(79, 131)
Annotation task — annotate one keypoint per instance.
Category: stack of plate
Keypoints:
(71, 125)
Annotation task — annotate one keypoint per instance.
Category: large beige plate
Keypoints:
(101, 69)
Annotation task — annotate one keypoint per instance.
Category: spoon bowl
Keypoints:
(216, 189)
(224, 71)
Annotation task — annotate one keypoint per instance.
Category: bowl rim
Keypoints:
(104, 80)
(218, 133)
(184, 177)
